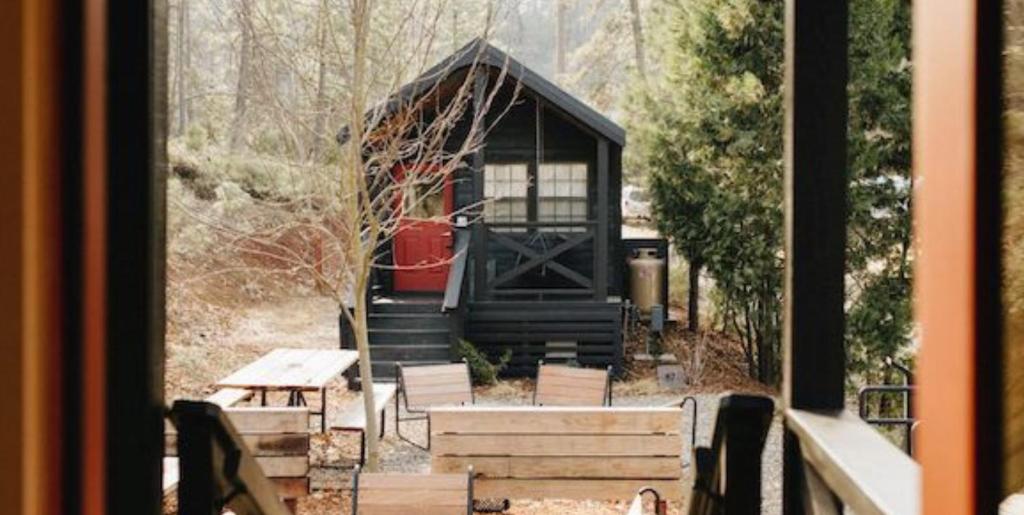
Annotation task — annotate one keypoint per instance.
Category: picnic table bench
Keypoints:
(353, 415)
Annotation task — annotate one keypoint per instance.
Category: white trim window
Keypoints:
(562, 193)
(505, 193)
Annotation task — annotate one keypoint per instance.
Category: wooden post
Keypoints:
(479, 229)
(816, 182)
(601, 234)
(957, 164)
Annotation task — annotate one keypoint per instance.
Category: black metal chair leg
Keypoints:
(323, 410)
(362, 448)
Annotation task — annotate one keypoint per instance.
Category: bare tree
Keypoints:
(561, 37)
(183, 67)
(638, 38)
(402, 145)
(242, 89)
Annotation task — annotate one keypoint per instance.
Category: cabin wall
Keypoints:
(512, 137)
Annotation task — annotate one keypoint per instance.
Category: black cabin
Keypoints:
(538, 269)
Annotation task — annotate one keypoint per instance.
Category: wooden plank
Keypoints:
(593, 467)
(566, 420)
(285, 444)
(269, 420)
(413, 498)
(227, 397)
(490, 466)
(291, 487)
(460, 377)
(353, 415)
(449, 399)
(869, 474)
(556, 445)
(816, 183)
(406, 510)
(302, 369)
(399, 481)
(597, 489)
(284, 466)
(433, 370)
(958, 146)
(421, 390)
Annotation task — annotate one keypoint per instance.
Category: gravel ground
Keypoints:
(333, 457)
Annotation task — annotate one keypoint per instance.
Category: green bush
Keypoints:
(480, 368)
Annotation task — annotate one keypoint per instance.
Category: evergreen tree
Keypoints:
(708, 132)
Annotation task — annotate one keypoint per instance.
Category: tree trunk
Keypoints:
(323, 22)
(243, 87)
(638, 38)
(183, 67)
(366, 380)
(693, 297)
(561, 44)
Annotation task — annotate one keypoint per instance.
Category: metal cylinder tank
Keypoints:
(646, 274)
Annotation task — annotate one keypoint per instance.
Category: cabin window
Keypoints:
(562, 193)
(505, 193)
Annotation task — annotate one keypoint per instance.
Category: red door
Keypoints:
(423, 244)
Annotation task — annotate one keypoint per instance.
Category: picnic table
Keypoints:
(295, 371)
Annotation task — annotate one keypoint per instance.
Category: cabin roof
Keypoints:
(480, 52)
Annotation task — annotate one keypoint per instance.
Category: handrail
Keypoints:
(907, 420)
(857, 465)
(216, 469)
(728, 476)
(457, 271)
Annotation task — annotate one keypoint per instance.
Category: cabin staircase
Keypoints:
(413, 331)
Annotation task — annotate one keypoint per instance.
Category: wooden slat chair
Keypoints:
(560, 385)
(594, 453)
(353, 415)
(423, 387)
(412, 494)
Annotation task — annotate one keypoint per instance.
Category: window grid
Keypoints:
(505, 193)
(562, 194)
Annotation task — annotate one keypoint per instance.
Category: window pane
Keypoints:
(505, 192)
(562, 192)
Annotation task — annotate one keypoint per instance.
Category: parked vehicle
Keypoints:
(635, 203)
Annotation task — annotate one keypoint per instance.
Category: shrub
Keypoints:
(480, 368)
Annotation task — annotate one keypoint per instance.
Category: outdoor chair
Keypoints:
(423, 387)
(425, 494)
(560, 385)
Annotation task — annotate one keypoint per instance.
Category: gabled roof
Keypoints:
(481, 52)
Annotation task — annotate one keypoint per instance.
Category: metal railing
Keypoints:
(906, 420)
(216, 469)
(453, 292)
(537, 245)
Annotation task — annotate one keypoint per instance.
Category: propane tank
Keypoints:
(646, 275)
